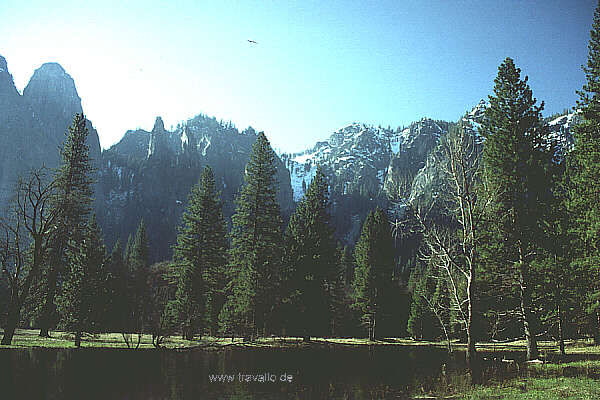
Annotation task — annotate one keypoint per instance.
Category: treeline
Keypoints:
(260, 278)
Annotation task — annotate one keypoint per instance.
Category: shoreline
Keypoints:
(25, 338)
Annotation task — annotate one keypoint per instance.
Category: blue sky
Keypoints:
(318, 65)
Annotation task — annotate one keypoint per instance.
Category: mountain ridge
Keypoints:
(148, 174)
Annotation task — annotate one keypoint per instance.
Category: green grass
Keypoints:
(580, 388)
(30, 338)
(587, 368)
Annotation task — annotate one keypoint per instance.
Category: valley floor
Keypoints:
(30, 338)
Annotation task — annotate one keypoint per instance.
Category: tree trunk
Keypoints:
(157, 340)
(14, 315)
(188, 333)
(597, 330)
(561, 336)
(532, 349)
(471, 351)
(48, 308)
(127, 339)
(373, 330)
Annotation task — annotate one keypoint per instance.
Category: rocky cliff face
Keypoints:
(18, 126)
(149, 175)
(560, 128)
(429, 180)
(414, 145)
(367, 166)
(33, 126)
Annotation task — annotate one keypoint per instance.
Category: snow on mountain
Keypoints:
(357, 157)
(301, 175)
(356, 147)
(564, 120)
(560, 133)
(474, 118)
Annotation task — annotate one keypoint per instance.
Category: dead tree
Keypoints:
(25, 234)
(452, 246)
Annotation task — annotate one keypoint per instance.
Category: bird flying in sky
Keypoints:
(252, 41)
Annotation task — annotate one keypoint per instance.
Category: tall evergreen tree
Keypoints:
(584, 186)
(73, 201)
(200, 256)
(311, 259)
(128, 248)
(138, 266)
(516, 187)
(421, 322)
(374, 255)
(82, 301)
(117, 287)
(347, 264)
(256, 247)
(337, 294)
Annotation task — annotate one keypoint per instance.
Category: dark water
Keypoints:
(320, 373)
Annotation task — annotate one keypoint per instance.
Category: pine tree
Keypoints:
(162, 315)
(338, 306)
(563, 285)
(311, 259)
(256, 247)
(82, 301)
(421, 320)
(73, 201)
(118, 276)
(128, 248)
(138, 265)
(200, 256)
(584, 163)
(374, 255)
(347, 264)
(516, 186)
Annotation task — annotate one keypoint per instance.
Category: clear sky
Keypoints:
(317, 66)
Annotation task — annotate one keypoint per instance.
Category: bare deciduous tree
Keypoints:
(452, 247)
(25, 233)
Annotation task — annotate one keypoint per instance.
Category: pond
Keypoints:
(238, 373)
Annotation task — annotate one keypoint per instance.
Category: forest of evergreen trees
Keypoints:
(511, 247)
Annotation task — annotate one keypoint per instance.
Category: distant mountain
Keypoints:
(33, 126)
(428, 181)
(560, 126)
(372, 166)
(367, 166)
(149, 175)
